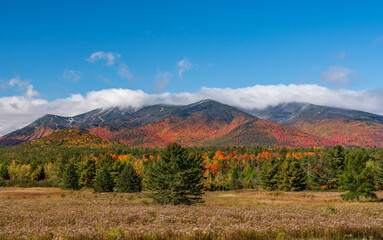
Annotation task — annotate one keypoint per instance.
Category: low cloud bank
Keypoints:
(19, 111)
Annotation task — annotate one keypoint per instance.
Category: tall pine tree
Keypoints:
(70, 177)
(4, 174)
(88, 173)
(103, 182)
(334, 162)
(268, 178)
(356, 177)
(176, 177)
(292, 176)
(128, 180)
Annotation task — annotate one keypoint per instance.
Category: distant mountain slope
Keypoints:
(70, 137)
(267, 133)
(38, 129)
(343, 126)
(203, 123)
(192, 125)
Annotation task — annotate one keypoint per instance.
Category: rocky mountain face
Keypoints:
(211, 123)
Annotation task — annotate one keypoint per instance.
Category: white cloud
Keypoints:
(19, 111)
(109, 57)
(340, 76)
(125, 72)
(72, 75)
(183, 65)
(162, 80)
(24, 86)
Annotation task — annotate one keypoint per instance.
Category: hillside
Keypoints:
(38, 129)
(70, 137)
(342, 126)
(203, 123)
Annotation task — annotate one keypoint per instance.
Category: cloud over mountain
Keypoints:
(18, 111)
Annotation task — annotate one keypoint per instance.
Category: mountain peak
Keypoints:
(203, 121)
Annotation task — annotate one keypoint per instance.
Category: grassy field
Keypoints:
(54, 213)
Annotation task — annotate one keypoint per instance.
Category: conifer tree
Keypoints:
(355, 178)
(268, 178)
(103, 182)
(235, 183)
(292, 176)
(88, 173)
(334, 162)
(176, 177)
(128, 180)
(70, 178)
(41, 174)
(4, 174)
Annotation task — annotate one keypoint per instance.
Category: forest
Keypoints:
(47, 162)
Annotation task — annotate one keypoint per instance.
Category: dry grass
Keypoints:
(54, 213)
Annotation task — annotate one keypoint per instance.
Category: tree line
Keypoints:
(357, 171)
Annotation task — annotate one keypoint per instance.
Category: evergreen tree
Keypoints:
(70, 178)
(88, 173)
(176, 177)
(115, 169)
(333, 162)
(62, 164)
(128, 180)
(356, 179)
(4, 174)
(105, 160)
(292, 176)
(250, 175)
(103, 182)
(235, 183)
(41, 174)
(268, 178)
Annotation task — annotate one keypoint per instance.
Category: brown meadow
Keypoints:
(49, 213)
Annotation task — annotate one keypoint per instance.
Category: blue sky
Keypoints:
(50, 50)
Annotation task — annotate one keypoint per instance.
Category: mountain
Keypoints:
(40, 128)
(343, 126)
(199, 124)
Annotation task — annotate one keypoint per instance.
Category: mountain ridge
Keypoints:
(209, 122)
(344, 126)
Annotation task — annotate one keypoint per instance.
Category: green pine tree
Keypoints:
(292, 176)
(88, 173)
(70, 177)
(175, 178)
(4, 174)
(333, 162)
(235, 182)
(128, 180)
(356, 177)
(41, 174)
(103, 182)
(268, 178)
